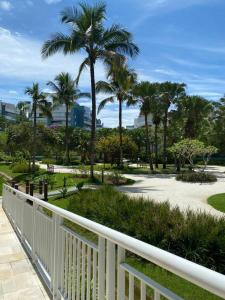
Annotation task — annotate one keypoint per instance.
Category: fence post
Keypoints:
(46, 192)
(40, 187)
(35, 207)
(31, 189)
(27, 187)
(101, 268)
(102, 176)
(57, 222)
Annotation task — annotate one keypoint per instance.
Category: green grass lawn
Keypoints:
(56, 180)
(217, 201)
(176, 284)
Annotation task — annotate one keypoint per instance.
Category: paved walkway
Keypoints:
(18, 280)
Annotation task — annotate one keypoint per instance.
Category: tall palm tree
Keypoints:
(23, 107)
(195, 113)
(89, 34)
(145, 92)
(38, 102)
(65, 92)
(119, 87)
(169, 93)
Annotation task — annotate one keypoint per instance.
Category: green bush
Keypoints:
(197, 237)
(48, 161)
(22, 168)
(196, 177)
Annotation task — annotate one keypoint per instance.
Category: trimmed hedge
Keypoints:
(196, 177)
(197, 237)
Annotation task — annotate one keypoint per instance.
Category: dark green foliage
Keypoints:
(197, 237)
(23, 167)
(196, 177)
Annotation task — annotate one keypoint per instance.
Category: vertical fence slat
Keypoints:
(120, 274)
(94, 272)
(83, 260)
(101, 268)
(74, 268)
(110, 271)
(143, 290)
(78, 269)
(131, 287)
(88, 273)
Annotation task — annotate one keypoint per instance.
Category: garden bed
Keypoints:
(196, 177)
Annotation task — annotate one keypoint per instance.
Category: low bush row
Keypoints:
(196, 177)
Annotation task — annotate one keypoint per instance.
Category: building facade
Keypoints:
(8, 111)
(140, 121)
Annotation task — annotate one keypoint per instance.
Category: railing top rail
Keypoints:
(197, 274)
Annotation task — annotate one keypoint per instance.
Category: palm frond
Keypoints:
(70, 15)
(83, 65)
(58, 43)
(104, 87)
(104, 102)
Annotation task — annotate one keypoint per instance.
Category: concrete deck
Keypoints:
(18, 279)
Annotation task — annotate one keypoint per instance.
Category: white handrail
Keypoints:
(199, 275)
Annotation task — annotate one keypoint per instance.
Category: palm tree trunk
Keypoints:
(34, 135)
(93, 121)
(156, 146)
(165, 132)
(148, 143)
(120, 133)
(67, 136)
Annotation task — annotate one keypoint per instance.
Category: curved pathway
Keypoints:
(192, 196)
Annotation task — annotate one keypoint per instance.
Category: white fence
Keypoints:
(74, 267)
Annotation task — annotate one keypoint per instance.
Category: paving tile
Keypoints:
(18, 279)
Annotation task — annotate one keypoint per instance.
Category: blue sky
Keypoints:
(180, 40)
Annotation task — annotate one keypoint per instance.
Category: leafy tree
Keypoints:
(188, 149)
(66, 93)
(38, 102)
(23, 107)
(110, 147)
(169, 94)
(119, 87)
(89, 34)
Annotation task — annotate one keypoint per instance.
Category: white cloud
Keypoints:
(20, 58)
(6, 5)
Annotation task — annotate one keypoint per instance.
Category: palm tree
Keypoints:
(38, 102)
(169, 94)
(119, 87)
(88, 34)
(195, 113)
(145, 92)
(65, 92)
(23, 107)
(157, 111)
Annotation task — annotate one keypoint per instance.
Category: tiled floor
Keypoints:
(18, 279)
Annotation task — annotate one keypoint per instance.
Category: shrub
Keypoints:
(49, 161)
(80, 185)
(196, 177)
(22, 168)
(197, 237)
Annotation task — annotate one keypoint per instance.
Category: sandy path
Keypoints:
(162, 188)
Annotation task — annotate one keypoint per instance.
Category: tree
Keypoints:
(194, 112)
(88, 34)
(169, 94)
(23, 107)
(38, 102)
(65, 92)
(188, 149)
(119, 87)
(145, 92)
(110, 147)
